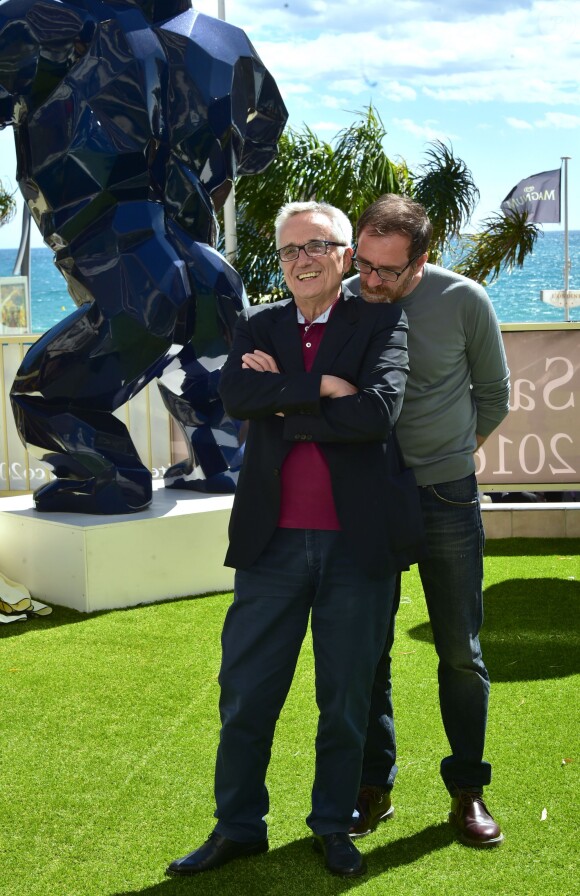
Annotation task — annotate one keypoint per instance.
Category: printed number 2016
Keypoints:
(531, 456)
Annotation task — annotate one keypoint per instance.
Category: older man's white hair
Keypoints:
(341, 226)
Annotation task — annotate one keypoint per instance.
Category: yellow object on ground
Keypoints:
(16, 603)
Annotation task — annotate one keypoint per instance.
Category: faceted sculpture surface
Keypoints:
(131, 120)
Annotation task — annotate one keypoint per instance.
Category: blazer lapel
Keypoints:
(339, 329)
(286, 339)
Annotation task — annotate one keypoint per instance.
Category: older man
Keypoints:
(320, 377)
(457, 394)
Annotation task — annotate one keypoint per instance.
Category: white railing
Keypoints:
(145, 416)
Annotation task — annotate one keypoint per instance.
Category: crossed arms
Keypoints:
(357, 400)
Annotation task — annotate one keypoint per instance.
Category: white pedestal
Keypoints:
(173, 549)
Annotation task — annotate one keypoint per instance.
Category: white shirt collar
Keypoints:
(321, 319)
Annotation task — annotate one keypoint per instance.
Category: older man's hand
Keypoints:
(259, 361)
(335, 387)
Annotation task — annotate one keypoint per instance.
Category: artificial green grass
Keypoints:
(110, 725)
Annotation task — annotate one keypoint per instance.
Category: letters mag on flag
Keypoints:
(539, 195)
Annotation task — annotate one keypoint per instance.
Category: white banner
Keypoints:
(538, 444)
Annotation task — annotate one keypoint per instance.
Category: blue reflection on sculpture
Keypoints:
(131, 120)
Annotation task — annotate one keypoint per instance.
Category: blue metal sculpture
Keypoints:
(131, 120)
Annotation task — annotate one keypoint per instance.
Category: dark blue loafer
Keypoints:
(340, 854)
(216, 851)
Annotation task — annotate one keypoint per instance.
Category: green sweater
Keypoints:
(458, 383)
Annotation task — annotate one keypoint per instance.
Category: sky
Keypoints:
(496, 80)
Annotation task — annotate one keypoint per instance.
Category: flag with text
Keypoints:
(539, 195)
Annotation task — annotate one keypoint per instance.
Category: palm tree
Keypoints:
(351, 172)
(445, 187)
(502, 244)
(7, 205)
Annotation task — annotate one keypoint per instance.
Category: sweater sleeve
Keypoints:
(490, 376)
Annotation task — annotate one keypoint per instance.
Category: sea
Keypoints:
(515, 295)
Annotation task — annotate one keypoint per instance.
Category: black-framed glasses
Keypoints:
(384, 273)
(313, 248)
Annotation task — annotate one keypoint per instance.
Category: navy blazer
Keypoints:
(376, 501)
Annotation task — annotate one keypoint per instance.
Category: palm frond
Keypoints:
(503, 242)
(7, 206)
(351, 172)
(444, 186)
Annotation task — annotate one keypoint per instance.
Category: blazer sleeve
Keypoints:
(249, 395)
(370, 414)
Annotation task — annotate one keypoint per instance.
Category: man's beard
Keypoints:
(386, 292)
(375, 295)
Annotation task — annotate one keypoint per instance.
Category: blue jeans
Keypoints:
(301, 574)
(452, 578)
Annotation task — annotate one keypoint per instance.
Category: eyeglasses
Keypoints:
(313, 248)
(384, 273)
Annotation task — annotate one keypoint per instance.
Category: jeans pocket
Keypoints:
(461, 493)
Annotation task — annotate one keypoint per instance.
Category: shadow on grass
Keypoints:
(531, 629)
(59, 616)
(66, 616)
(296, 868)
(507, 547)
(407, 850)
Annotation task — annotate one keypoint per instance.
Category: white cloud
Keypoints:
(328, 126)
(349, 85)
(397, 92)
(482, 73)
(516, 52)
(556, 120)
(426, 130)
(299, 88)
(321, 15)
(494, 87)
(330, 101)
(519, 124)
(559, 120)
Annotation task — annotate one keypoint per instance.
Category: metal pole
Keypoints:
(230, 228)
(22, 262)
(565, 159)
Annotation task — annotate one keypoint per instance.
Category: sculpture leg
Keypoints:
(189, 387)
(213, 441)
(63, 399)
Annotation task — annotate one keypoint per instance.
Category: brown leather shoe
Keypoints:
(373, 805)
(471, 817)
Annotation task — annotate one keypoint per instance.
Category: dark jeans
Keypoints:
(452, 578)
(301, 574)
